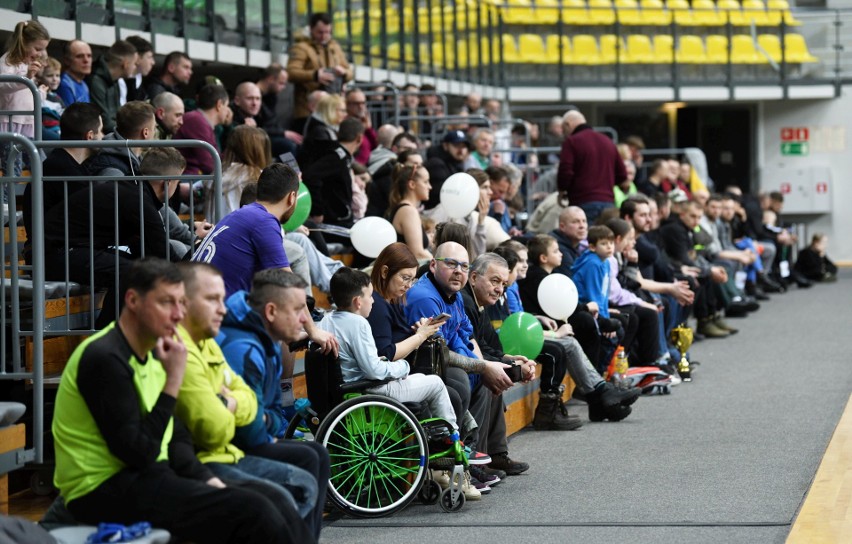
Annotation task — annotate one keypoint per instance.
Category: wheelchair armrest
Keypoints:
(361, 385)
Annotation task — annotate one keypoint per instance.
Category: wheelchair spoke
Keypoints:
(359, 448)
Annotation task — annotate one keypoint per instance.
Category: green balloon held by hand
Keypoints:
(521, 334)
(302, 211)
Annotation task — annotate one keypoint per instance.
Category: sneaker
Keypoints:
(503, 462)
(442, 478)
(476, 457)
(671, 370)
(470, 492)
(483, 488)
(493, 472)
(488, 479)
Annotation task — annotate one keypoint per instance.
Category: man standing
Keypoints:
(249, 239)
(78, 65)
(215, 402)
(117, 445)
(118, 63)
(589, 167)
(169, 111)
(316, 62)
(356, 108)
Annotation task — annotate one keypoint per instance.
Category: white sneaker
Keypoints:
(470, 492)
(442, 478)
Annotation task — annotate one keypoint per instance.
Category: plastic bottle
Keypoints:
(621, 366)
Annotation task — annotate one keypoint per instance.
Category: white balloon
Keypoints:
(557, 296)
(459, 195)
(371, 235)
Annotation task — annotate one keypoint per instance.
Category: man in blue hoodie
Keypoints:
(274, 311)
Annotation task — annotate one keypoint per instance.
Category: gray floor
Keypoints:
(726, 458)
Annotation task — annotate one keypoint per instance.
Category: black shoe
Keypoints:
(611, 395)
(769, 285)
(493, 471)
(502, 461)
(598, 412)
(736, 309)
(801, 281)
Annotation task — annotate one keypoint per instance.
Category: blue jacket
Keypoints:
(425, 299)
(255, 356)
(591, 276)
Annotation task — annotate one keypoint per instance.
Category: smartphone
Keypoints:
(440, 318)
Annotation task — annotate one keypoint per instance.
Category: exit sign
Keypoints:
(795, 134)
(795, 149)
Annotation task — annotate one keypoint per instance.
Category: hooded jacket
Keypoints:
(591, 276)
(440, 166)
(255, 356)
(114, 161)
(104, 93)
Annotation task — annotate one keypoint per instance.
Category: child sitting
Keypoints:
(52, 106)
(813, 263)
(591, 270)
(352, 292)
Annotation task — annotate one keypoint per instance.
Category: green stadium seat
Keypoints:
(628, 12)
(653, 13)
(552, 47)
(601, 12)
(639, 50)
(691, 50)
(717, 49)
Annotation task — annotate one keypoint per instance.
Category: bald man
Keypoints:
(247, 101)
(589, 166)
(169, 111)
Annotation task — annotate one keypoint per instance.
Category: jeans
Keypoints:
(581, 370)
(321, 267)
(294, 481)
(594, 209)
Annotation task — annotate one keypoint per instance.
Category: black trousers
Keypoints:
(586, 332)
(191, 509)
(458, 388)
(487, 409)
(553, 367)
(311, 456)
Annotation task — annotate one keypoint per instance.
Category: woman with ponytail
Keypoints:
(409, 188)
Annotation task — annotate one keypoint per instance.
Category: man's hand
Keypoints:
(303, 230)
(324, 77)
(232, 402)
(718, 274)
(495, 378)
(546, 322)
(339, 70)
(593, 309)
(681, 292)
(564, 330)
(216, 482)
(250, 122)
(202, 228)
(325, 340)
(528, 367)
(172, 355)
(294, 137)
(499, 206)
(690, 271)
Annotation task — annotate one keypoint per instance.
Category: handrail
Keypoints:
(36, 112)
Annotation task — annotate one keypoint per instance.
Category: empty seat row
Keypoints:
(588, 50)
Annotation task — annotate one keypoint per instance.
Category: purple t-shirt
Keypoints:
(245, 241)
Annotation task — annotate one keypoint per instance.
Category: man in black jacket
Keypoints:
(330, 178)
(125, 225)
(447, 160)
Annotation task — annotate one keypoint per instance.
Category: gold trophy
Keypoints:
(681, 337)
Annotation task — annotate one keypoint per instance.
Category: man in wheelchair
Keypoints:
(352, 292)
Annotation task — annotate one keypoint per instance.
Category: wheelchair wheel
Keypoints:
(378, 456)
(430, 492)
(447, 504)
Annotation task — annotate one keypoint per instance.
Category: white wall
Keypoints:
(829, 124)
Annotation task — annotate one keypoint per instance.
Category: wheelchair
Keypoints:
(381, 450)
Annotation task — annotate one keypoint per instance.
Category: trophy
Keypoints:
(681, 337)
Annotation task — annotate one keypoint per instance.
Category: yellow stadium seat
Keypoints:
(438, 54)
(425, 56)
(627, 12)
(601, 12)
(776, 9)
(653, 13)
(510, 50)
(717, 49)
(771, 44)
(704, 13)
(552, 46)
(681, 12)
(546, 12)
(586, 50)
(531, 49)
(754, 10)
(743, 51)
(574, 12)
(519, 12)
(612, 49)
(796, 49)
(691, 50)
(663, 49)
(639, 50)
(732, 9)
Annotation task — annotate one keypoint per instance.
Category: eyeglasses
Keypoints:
(354, 103)
(407, 280)
(453, 264)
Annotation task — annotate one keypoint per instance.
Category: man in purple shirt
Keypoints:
(249, 239)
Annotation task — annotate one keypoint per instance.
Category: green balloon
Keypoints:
(521, 334)
(302, 211)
